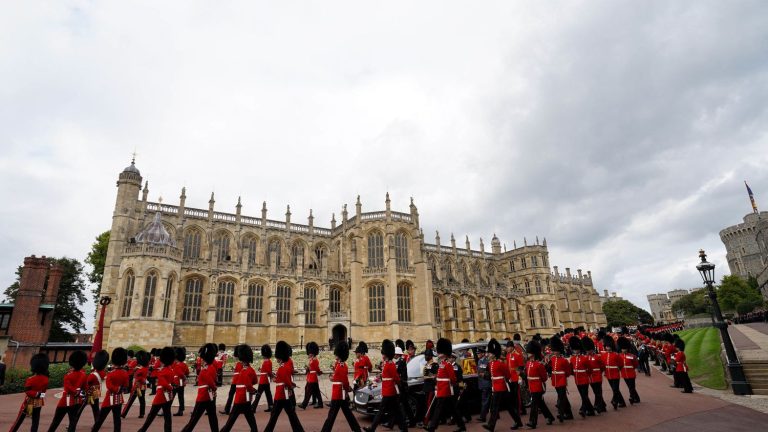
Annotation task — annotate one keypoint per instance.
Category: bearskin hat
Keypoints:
(609, 343)
(341, 351)
(208, 353)
(429, 344)
(38, 364)
(600, 334)
(131, 353)
(516, 337)
(388, 349)
(509, 344)
(78, 359)
(587, 344)
(556, 344)
(283, 351)
(536, 337)
(312, 348)
(246, 354)
(167, 356)
(444, 346)
(428, 354)
(236, 352)
(624, 330)
(222, 347)
(533, 348)
(266, 351)
(400, 343)
(624, 343)
(575, 343)
(680, 344)
(181, 353)
(494, 347)
(119, 356)
(100, 360)
(409, 344)
(362, 348)
(155, 352)
(142, 358)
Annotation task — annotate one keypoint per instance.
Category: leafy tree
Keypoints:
(691, 304)
(623, 312)
(96, 258)
(734, 290)
(67, 316)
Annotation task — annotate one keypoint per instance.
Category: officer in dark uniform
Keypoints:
(483, 383)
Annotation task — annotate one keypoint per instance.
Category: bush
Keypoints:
(14, 378)
(135, 348)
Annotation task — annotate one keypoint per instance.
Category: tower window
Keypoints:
(310, 305)
(255, 302)
(376, 303)
(150, 285)
(193, 296)
(225, 299)
(283, 308)
(375, 250)
(127, 295)
(404, 302)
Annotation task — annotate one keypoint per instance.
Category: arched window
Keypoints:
(512, 265)
(192, 244)
(225, 300)
(471, 305)
(310, 305)
(488, 315)
(438, 315)
(255, 302)
(167, 297)
(251, 247)
(543, 316)
(317, 264)
(401, 251)
(435, 279)
(544, 260)
(296, 251)
(454, 308)
(130, 279)
(283, 305)
(376, 303)
(404, 302)
(222, 251)
(449, 272)
(528, 287)
(334, 301)
(193, 297)
(538, 286)
(150, 287)
(553, 315)
(503, 311)
(531, 317)
(534, 261)
(274, 246)
(523, 264)
(567, 304)
(549, 287)
(375, 250)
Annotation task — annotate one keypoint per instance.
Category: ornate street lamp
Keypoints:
(739, 382)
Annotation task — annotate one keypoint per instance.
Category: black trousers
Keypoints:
(131, 399)
(115, 410)
(22, 415)
(617, 400)
(179, 391)
(406, 407)
(166, 407)
(586, 406)
(633, 396)
(442, 406)
(485, 401)
(597, 389)
(501, 400)
(685, 381)
(516, 393)
(342, 405)
(313, 390)
(209, 408)
(645, 365)
(390, 406)
(538, 404)
(58, 416)
(290, 411)
(262, 389)
(230, 398)
(563, 404)
(94, 408)
(237, 410)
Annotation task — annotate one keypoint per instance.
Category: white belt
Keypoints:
(311, 371)
(558, 373)
(612, 367)
(279, 385)
(336, 383)
(443, 379)
(534, 378)
(387, 379)
(159, 387)
(239, 386)
(629, 367)
(497, 378)
(579, 370)
(236, 373)
(203, 386)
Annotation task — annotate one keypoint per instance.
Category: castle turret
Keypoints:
(495, 245)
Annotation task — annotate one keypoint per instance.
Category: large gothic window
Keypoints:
(376, 303)
(125, 310)
(150, 287)
(527, 287)
(274, 246)
(488, 315)
(375, 250)
(471, 305)
(296, 251)
(167, 297)
(438, 315)
(543, 316)
(401, 251)
(193, 297)
(318, 258)
(192, 244)
(283, 305)
(503, 311)
(404, 302)
(553, 315)
(334, 301)
(534, 261)
(255, 302)
(225, 300)
(454, 308)
(251, 247)
(310, 305)
(222, 242)
(523, 264)
(531, 317)
(538, 286)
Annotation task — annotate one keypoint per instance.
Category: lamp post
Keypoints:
(739, 382)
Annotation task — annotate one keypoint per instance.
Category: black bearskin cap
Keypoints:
(680, 344)
(516, 337)
(131, 353)
(38, 364)
(444, 346)
(142, 358)
(588, 344)
(509, 344)
(167, 356)
(100, 360)
(181, 353)
(283, 351)
(209, 352)
(400, 343)
(409, 344)
(465, 340)
(246, 354)
(362, 348)
(236, 352)
(533, 348)
(556, 344)
(600, 334)
(575, 343)
(428, 354)
(222, 347)
(154, 351)
(342, 351)
(623, 343)
(266, 351)
(494, 347)
(609, 343)
(119, 356)
(78, 359)
(312, 348)
(388, 349)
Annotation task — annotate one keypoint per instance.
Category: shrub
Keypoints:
(14, 378)
(136, 348)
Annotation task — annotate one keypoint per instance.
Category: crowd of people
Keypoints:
(751, 317)
(512, 376)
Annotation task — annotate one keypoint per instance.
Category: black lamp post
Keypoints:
(738, 379)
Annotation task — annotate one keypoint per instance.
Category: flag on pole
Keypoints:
(751, 197)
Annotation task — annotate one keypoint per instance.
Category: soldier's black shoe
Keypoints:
(560, 418)
(531, 425)
(224, 412)
(268, 409)
(302, 406)
(582, 414)
(179, 414)
(615, 406)
(486, 426)
(516, 426)
(550, 420)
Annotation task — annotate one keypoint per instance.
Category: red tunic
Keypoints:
(206, 384)
(561, 370)
(596, 365)
(93, 385)
(537, 376)
(582, 370)
(34, 389)
(499, 376)
(132, 366)
(680, 365)
(140, 375)
(629, 363)
(115, 382)
(165, 379)
(265, 371)
(313, 369)
(182, 372)
(236, 372)
(612, 362)
(340, 381)
(446, 379)
(74, 382)
(514, 360)
(244, 385)
(362, 367)
(156, 365)
(283, 380)
(389, 379)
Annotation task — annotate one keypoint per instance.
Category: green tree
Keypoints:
(623, 312)
(692, 304)
(97, 258)
(734, 290)
(67, 316)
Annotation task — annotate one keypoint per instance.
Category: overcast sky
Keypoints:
(621, 131)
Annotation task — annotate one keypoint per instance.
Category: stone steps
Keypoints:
(757, 375)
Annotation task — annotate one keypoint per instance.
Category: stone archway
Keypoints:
(338, 334)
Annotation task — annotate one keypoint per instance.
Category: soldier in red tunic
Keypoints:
(500, 386)
(181, 370)
(164, 396)
(596, 376)
(93, 383)
(139, 387)
(34, 393)
(443, 403)
(206, 391)
(312, 388)
(629, 364)
(284, 389)
(410, 351)
(390, 402)
(362, 365)
(235, 374)
(681, 367)
(516, 365)
(71, 398)
(264, 375)
(560, 369)
(116, 381)
(340, 390)
(582, 373)
(612, 362)
(536, 375)
(245, 387)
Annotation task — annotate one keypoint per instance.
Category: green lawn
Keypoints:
(702, 353)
